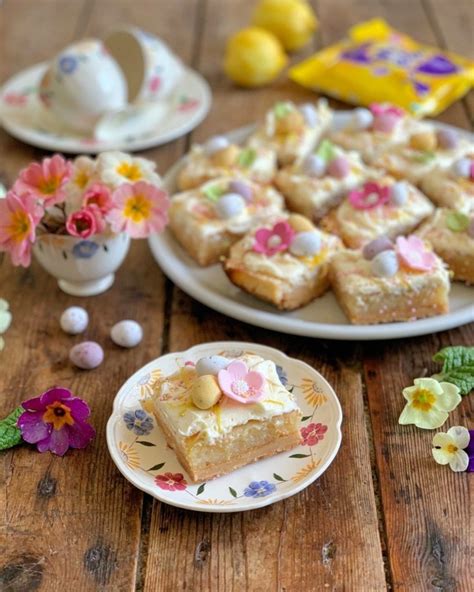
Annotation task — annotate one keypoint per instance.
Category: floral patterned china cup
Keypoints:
(83, 267)
(82, 84)
(151, 69)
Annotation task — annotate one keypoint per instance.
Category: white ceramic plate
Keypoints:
(321, 318)
(24, 117)
(145, 460)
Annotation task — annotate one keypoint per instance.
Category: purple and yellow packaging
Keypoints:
(377, 64)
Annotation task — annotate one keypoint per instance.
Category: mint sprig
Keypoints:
(458, 367)
(10, 434)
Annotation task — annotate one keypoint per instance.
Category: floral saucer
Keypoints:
(139, 449)
(25, 118)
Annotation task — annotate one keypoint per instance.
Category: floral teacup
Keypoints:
(150, 67)
(82, 267)
(82, 84)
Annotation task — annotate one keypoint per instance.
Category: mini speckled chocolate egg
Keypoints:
(447, 138)
(361, 119)
(339, 167)
(215, 144)
(314, 166)
(309, 113)
(299, 223)
(378, 245)
(205, 392)
(230, 205)
(241, 188)
(385, 264)
(74, 320)
(385, 123)
(399, 193)
(126, 333)
(86, 355)
(425, 141)
(462, 167)
(306, 244)
(211, 365)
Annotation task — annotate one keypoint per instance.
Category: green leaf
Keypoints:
(424, 157)
(457, 221)
(326, 151)
(299, 455)
(458, 367)
(233, 493)
(10, 434)
(145, 443)
(278, 478)
(305, 417)
(213, 192)
(200, 489)
(247, 157)
(281, 109)
(157, 467)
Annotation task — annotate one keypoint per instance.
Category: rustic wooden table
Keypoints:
(384, 516)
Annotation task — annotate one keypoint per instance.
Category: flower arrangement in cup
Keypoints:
(88, 208)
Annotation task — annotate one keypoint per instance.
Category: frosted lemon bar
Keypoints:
(222, 414)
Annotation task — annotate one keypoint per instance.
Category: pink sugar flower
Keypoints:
(380, 109)
(45, 180)
(98, 195)
(413, 253)
(273, 240)
(139, 209)
(83, 223)
(370, 196)
(241, 385)
(19, 217)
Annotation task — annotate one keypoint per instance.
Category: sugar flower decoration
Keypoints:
(273, 240)
(115, 168)
(19, 217)
(98, 195)
(56, 421)
(413, 253)
(86, 222)
(46, 180)
(5, 320)
(428, 403)
(370, 196)
(139, 209)
(450, 449)
(241, 385)
(381, 109)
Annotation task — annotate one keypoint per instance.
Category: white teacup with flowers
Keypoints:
(78, 217)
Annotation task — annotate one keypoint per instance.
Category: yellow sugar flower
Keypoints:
(448, 448)
(429, 402)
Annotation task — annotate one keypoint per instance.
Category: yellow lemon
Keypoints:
(254, 57)
(292, 21)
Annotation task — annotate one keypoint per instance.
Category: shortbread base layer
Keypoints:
(281, 293)
(243, 445)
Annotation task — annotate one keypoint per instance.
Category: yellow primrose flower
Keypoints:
(429, 402)
(449, 448)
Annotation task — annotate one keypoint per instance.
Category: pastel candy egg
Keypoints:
(211, 365)
(314, 166)
(215, 144)
(470, 228)
(462, 167)
(339, 167)
(378, 245)
(299, 223)
(310, 115)
(126, 333)
(306, 244)
(447, 138)
(424, 141)
(399, 193)
(230, 205)
(242, 188)
(86, 355)
(361, 119)
(205, 392)
(385, 122)
(74, 320)
(385, 264)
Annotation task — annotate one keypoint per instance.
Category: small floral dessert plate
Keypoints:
(139, 449)
(24, 117)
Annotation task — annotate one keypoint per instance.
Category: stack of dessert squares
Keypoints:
(381, 210)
